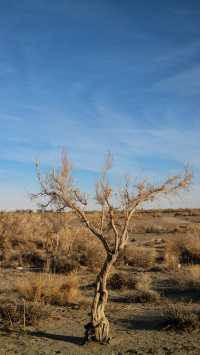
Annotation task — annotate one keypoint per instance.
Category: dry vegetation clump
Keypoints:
(144, 292)
(139, 256)
(145, 297)
(60, 264)
(186, 212)
(88, 251)
(183, 249)
(188, 278)
(47, 241)
(154, 229)
(141, 288)
(28, 239)
(121, 280)
(177, 317)
(50, 289)
(21, 314)
(172, 261)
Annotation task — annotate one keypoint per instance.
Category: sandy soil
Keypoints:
(134, 331)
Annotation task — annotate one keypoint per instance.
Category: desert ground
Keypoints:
(49, 264)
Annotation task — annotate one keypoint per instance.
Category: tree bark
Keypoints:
(98, 328)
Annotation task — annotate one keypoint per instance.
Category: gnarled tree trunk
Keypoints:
(98, 328)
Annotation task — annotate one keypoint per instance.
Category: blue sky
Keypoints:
(98, 75)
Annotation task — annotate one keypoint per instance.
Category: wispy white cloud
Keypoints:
(128, 145)
(135, 150)
(186, 83)
(179, 54)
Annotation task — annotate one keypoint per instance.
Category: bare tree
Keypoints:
(57, 191)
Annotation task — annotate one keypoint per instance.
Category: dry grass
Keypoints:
(18, 315)
(172, 261)
(139, 256)
(183, 249)
(145, 297)
(121, 280)
(88, 251)
(53, 242)
(159, 229)
(145, 293)
(57, 243)
(141, 288)
(154, 229)
(144, 283)
(177, 317)
(28, 238)
(188, 278)
(50, 289)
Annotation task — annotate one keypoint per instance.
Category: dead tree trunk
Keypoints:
(98, 328)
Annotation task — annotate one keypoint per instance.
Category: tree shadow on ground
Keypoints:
(120, 299)
(186, 295)
(66, 338)
(142, 322)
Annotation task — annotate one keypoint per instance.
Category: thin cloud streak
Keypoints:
(125, 144)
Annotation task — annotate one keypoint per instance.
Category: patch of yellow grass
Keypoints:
(145, 293)
(50, 288)
(183, 249)
(139, 256)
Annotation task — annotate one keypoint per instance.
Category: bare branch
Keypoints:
(57, 190)
(148, 192)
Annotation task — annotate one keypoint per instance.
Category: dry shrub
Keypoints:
(50, 289)
(120, 281)
(144, 292)
(185, 249)
(177, 317)
(88, 251)
(61, 264)
(172, 262)
(144, 283)
(28, 239)
(47, 241)
(139, 256)
(141, 288)
(154, 229)
(173, 252)
(17, 314)
(145, 297)
(193, 275)
(188, 278)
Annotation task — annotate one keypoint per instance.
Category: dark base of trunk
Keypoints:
(98, 333)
